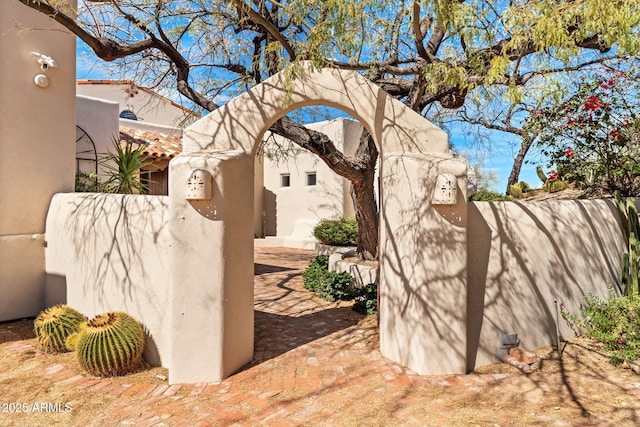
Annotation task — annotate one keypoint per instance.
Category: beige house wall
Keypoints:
(293, 211)
(525, 256)
(38, 148)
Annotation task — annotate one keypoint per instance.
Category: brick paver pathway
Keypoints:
(315, 363)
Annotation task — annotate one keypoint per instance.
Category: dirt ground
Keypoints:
(581, 386)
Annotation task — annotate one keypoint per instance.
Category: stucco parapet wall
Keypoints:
(394, 127)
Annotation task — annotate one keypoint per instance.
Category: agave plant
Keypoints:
(111, 344)
(124, 165)
(54, 325)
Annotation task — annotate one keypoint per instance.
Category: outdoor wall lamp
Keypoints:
(45, 62)
(446, 191)
(199, 185)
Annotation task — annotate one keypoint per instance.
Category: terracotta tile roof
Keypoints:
(158, 146)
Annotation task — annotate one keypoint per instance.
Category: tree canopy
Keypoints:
(433, 55)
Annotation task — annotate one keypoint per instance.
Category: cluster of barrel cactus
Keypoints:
(109, 344)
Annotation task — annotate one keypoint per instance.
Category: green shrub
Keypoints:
(614, 322)
(366, 299)
(489, 196)
(326, 284)
(337, 232)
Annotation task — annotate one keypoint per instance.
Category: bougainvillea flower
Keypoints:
(569, 153)
(593, 103)
(615, 135)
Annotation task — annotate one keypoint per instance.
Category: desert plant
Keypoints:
(615, 322)
(551, 181)
(326, 284)
(71, 343)
(111, 344)
(123, 166)
(518, 189)
(337, 232)
(54, 325)
(630, 259)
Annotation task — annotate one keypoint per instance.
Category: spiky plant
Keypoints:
(54, 325)
(71, 343)
(111, 344)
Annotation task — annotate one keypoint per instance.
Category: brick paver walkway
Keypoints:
(315, 364)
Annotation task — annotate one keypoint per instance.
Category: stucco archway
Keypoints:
(422, 247)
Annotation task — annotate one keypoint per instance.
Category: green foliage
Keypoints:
(88, 183)
(631, 259)
(123, 166)
(54, 325)
(614, 322)
(551, 181)
(518, 189)
(337, 232)
(489, 196)
(366, 299)
(593, 135)
(326, 284)
(110, 344)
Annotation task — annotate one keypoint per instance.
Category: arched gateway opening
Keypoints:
(422, 241)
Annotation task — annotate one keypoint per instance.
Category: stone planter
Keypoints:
(362, 274)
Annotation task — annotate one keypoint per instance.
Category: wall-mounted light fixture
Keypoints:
(46, 62)
(199, 185)
(446, 191)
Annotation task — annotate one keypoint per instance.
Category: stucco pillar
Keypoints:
(423, 262)
(211, 260)
(37, 135)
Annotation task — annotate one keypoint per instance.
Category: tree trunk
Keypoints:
(364, 198)
(366, 208)
(527, 142)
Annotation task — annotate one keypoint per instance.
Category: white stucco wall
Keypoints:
(524, 256)
(110, 252)
(37, 140)
(295, 210)
(99, 119)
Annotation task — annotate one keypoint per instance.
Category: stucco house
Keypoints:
(106, 109)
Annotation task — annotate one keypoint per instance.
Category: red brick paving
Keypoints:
(313, 365)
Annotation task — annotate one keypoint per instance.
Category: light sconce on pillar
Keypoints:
(446, 190)
(199, 185)
(45, 62)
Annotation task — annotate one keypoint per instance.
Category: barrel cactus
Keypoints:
(71, 343)
(111, 344)
(54, 325)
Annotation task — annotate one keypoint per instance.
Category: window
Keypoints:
(311, 178)
(285, 180)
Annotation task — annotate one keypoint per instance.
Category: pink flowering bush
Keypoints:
(592, 138)
(615, 322)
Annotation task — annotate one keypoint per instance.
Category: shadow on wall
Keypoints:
(524, 258)
(270, 219)
(426, 309)
(111, 253)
